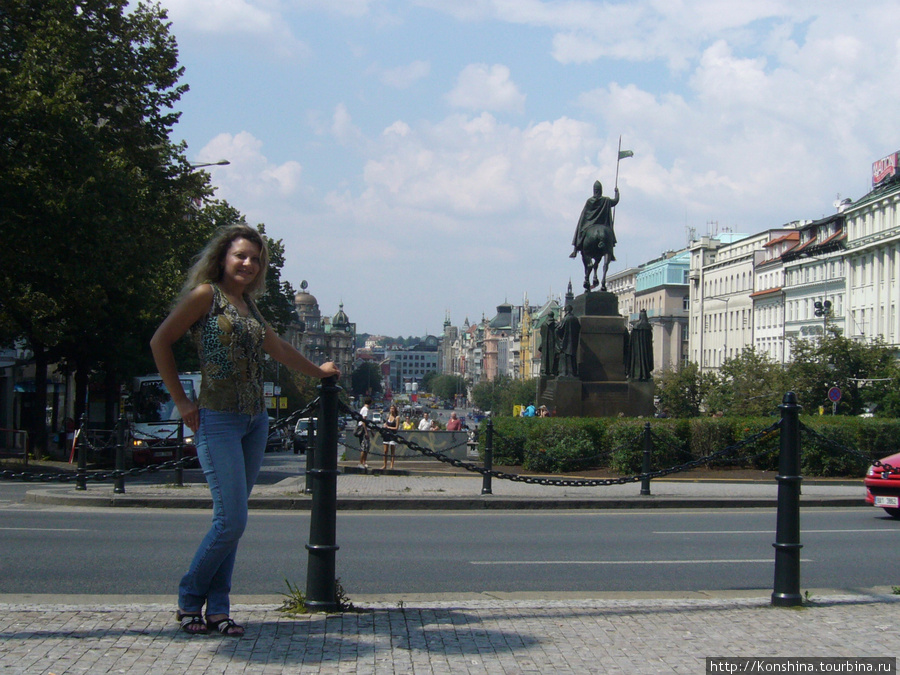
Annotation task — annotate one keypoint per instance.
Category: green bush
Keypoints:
(559, 448)
(572, 444)
(626, 437)
(709, 435)
(874, 438)
(510, 434)
(763, 453)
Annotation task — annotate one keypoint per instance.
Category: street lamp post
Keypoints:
(221, 162)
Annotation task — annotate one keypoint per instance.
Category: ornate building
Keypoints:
(322, 339)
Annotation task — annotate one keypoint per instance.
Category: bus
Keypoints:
(155, 419)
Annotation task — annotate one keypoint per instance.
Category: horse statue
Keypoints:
(599, 242)
(595, 237)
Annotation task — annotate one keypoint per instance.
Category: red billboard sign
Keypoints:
(884, 168)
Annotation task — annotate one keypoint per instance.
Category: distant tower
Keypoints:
(525, 351)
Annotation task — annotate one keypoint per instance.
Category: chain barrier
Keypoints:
(291, 419)
(593, 458)
(97, 476)
(404, 441)
(733, 460)
(848, 450)
(555, 482)
(103, 475)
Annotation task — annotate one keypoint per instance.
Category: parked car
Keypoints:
(300, 436)
(883, 487)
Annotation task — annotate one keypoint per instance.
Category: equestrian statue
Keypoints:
(595, 237)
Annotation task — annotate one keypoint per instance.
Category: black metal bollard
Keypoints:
(321, 584)
(310, 454)
(486, 488)
(81, 473)
(645, 465)
(179, 455)
(119, 488)
(787, 545)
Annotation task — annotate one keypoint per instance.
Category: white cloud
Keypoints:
(250, 177)
(483, 87)
(403, 77)
(343, 129)
(260, 23)
(768, 110)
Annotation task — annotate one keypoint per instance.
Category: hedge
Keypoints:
(834, 446)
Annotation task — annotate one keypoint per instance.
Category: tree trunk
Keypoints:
(81, 391)
(37, 429)
(111, 385)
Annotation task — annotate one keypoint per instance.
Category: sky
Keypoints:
(425, 159)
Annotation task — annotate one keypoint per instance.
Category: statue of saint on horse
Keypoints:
(595, 236)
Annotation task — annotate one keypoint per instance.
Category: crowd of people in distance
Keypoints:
(393, 422)
(530, 411)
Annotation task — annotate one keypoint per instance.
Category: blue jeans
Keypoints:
(230, 448)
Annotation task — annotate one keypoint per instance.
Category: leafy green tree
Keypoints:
(448, 386)
(486, 395)
(93, 192)
(838, 361)
(502, 393)
(428, 381)
(366, 379)
(682, 391)
(749, 384)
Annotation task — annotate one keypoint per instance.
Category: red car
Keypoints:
(883, 487)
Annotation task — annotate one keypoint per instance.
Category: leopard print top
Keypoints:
(231, 357)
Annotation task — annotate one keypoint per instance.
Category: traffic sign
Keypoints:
(834, 394)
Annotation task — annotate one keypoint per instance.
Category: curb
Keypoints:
(474, 503)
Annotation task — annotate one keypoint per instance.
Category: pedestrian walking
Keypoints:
(229, 420)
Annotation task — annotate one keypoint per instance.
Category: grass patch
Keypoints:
(295, 601)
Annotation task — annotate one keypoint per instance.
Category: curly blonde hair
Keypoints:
(208, 266)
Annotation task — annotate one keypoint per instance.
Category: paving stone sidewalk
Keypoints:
(482, 636)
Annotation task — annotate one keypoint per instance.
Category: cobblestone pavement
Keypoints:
(482, 636)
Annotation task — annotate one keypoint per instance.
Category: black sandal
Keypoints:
(226, 627)
(192, 623)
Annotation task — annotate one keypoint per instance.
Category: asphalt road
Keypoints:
(134, 551)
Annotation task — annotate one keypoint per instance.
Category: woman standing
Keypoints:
(230, 421)
(392, 424)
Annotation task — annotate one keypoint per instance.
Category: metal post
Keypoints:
(310, 454)
(486, 488)
(119, 488)
(81, 473)
(179, 455)
(645, 466)
(321, 584)
(787, 545)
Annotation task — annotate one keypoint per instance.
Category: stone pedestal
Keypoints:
(601, 388)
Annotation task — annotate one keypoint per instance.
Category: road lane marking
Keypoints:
(802, 531)
(44, 529)
(628, 562)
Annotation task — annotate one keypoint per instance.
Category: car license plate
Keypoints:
(887, 501)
